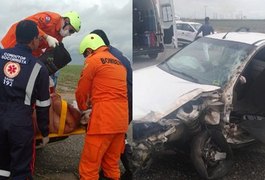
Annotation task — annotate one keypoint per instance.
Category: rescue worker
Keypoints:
(102, 87)
(125, 61)
(52, 28)
(25, 85)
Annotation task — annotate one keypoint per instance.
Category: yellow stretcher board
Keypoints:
(80, 130)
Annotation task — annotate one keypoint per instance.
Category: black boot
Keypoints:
(127, 175)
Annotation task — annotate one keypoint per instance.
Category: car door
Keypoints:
(185, 32)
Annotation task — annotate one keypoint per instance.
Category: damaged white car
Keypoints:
(208, 97)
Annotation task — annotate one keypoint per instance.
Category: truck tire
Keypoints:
(204, 154)
(153, 55)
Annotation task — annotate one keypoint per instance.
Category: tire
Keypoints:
(203, 147)
(153, 55)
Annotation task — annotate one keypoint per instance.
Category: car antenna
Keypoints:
(225, 35)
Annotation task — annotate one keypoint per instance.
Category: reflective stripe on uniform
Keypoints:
(31, 82)
(4, 173)
(43, 103)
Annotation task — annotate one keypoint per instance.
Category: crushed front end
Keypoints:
(151, 135)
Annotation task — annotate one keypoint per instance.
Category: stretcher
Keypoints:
(62, 122)
(55, 59)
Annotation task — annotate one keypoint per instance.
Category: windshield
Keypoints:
(208, 61)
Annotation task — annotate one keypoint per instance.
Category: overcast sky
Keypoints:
(251, 9)
(113, 16)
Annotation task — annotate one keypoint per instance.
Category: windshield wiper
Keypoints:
(173, 71)
(186, 75)
(164, 65)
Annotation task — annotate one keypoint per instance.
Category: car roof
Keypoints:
(187, 22)
(243, 37)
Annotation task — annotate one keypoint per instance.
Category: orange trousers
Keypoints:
(101, 150)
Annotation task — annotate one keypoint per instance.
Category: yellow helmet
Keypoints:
(74, 19)
(92, 41)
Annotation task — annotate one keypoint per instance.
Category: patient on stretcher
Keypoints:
(73, 115)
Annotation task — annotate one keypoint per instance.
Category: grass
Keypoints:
(68, 78)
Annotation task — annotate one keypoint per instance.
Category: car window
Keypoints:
(184, 27)
(179, 26)
(187, 27)
(197, 26)
(208, 61)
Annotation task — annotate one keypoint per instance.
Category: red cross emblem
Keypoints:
(11, 69)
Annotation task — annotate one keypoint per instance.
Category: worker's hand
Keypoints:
(45, 141)
(52, 41)
(85, 117)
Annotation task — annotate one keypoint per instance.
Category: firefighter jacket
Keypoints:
(127, 64)
(25, 85)
(48, 23)
(103, 85)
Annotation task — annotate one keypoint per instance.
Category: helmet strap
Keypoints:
(66, 23)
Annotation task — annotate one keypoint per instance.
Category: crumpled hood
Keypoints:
(157, 93)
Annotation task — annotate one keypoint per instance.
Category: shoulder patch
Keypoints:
(11, 69)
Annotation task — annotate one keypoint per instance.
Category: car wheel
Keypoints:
(153, 55)
(211, 154)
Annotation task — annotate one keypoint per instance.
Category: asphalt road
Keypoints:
(59, 161)
(144, 61)
(249, 165)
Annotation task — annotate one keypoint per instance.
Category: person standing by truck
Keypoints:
(25, 85)
(206, 28)
(102, 86)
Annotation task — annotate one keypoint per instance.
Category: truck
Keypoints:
(167, 18)
(147, 32)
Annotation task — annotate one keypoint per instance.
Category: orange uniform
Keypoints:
(103, 85)
(48, 23)
(103, 81)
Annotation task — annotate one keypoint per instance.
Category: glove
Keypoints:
(52, 41)
(45, 141)
(85, 117)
